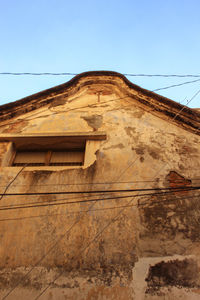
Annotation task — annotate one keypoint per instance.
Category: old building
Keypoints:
(99, 194)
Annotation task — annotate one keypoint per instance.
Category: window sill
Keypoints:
(42, 168)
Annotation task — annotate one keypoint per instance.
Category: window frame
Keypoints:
(17, 142)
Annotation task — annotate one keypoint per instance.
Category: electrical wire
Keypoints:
(10, 183)
(73, 74)
(97, 191)
(188, 103)
(37, 74)
(175, 85)
(101, 209)
(125, 74)
(55, 203)
(86, 196)
(163, 75)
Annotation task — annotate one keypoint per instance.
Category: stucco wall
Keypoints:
(102, 249)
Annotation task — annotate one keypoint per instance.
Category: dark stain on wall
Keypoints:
(9, 279)
(171, 215)
(90, 172)
(60, 100)
(130, 131)
(187, 150)
(139, 150)
(154, 152)
(179, 273)
(40, 176)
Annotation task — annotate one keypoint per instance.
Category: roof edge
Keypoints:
(190, 112)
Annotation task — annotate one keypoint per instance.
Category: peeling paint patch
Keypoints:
(90, 153)
(130, 131)
(16, 127)
(175, 180)
(94, 121)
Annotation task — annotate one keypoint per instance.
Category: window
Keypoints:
(49, 158)
(48, 150)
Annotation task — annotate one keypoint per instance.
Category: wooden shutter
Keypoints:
(29, 158)
(67, 158)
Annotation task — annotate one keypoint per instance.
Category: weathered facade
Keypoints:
(118, 216)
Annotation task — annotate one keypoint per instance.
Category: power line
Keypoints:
(125, 74)
(10, 183)
(163, 75)
(37, 74)
(55, 203)
(187, 103)
(96, 194)
(97, 191)
(175, 85)
(101, 209)
(73, 74)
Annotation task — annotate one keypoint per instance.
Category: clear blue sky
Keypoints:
(129, 36)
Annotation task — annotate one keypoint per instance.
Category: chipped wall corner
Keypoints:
(90, 152)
